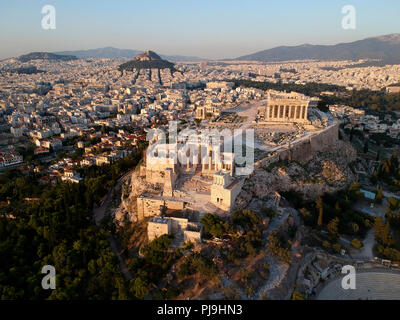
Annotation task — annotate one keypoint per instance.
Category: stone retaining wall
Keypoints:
(304, 150)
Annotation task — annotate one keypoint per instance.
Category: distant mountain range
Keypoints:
(45, 56)
(115, 53)
(385, 48)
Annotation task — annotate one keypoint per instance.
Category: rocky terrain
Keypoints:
(326, 172)
(130, 191)
(147, 60)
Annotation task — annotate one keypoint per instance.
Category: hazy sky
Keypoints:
(205, 28)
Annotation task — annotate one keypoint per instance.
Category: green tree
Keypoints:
(356, 243)
(213, 225)
(139, 288)
(275, 247)
(333, 229)
(354, 190)
(382, 232)
(336, 247)
(297, 296)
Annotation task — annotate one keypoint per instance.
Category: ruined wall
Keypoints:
(304, 150)
(178, 224)
(148, 206)
(193, 236)
(326, 139)
(155, 176)
(175, 204)
(155, 230)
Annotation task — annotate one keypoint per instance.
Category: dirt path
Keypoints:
(366, 251)
(99, 213)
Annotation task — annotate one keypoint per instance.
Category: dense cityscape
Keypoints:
(154, 177)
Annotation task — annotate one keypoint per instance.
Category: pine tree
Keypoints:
(333, 229)
(378, 227)
(387, 239)
(379, 196)
(382, 232)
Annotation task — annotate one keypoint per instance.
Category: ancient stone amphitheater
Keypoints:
(369, 286)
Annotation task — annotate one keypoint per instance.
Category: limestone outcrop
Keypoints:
(325, 172)
(128, 206)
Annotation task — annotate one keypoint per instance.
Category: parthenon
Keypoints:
(284, 107)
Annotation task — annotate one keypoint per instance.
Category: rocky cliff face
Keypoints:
(128, 206)
(325, 172)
